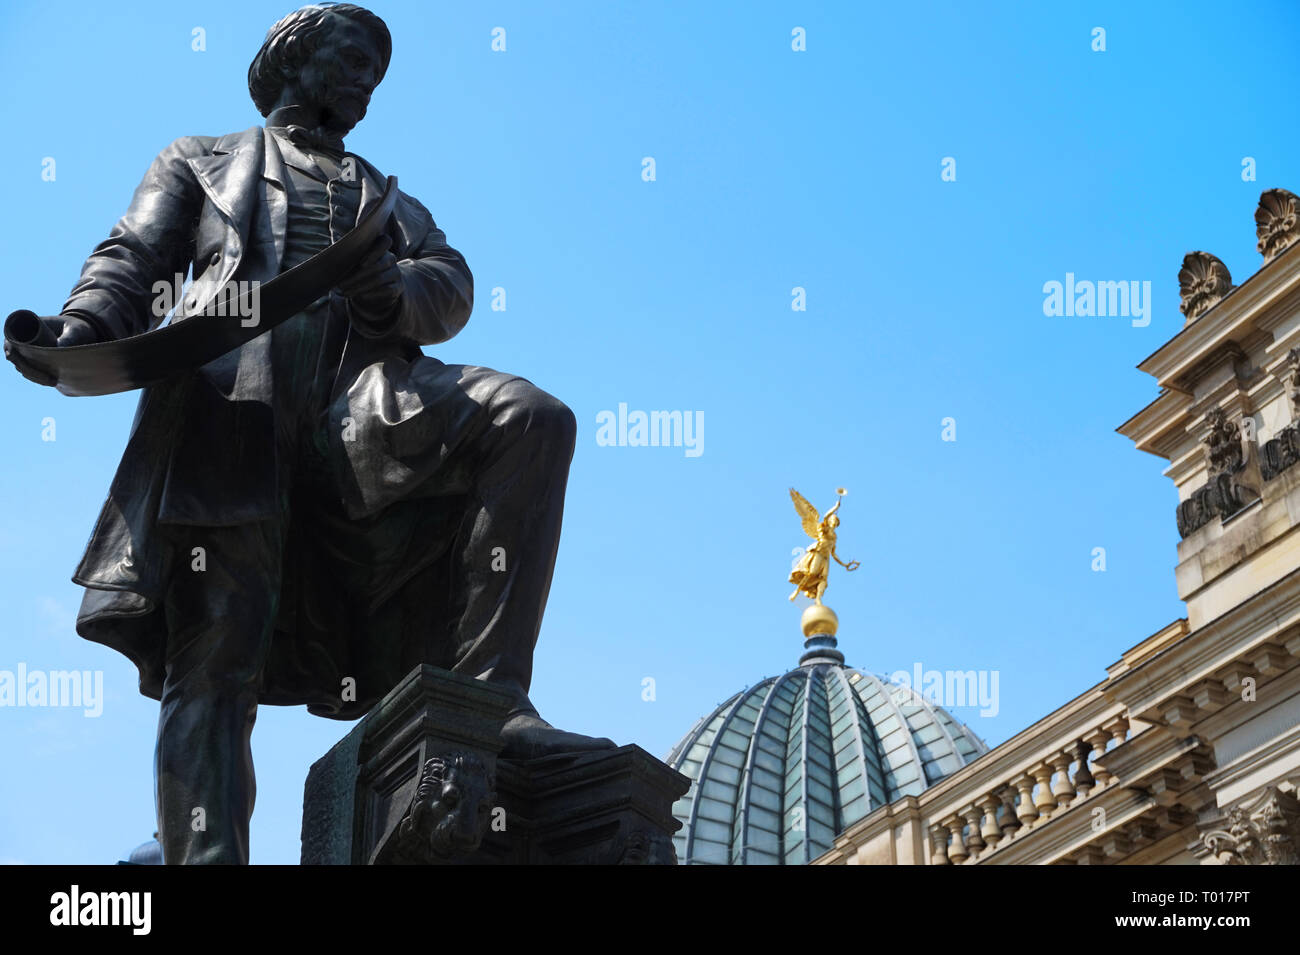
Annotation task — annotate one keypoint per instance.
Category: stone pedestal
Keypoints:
(418, 781)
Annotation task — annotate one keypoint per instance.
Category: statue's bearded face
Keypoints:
(341, 74)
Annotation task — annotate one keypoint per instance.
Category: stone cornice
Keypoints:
(1229, 718)
(1248, 763)
(1255, 302)
(1210, 648)
(1157, 428)
(1137, 759)
(1166, 636)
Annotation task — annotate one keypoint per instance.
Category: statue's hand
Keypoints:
(74, 331)
(374, 289)
(68, 330)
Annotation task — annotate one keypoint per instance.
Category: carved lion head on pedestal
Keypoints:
(451, 809)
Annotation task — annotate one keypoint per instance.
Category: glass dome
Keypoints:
(779, 769)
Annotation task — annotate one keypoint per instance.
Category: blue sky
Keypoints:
(775, 169)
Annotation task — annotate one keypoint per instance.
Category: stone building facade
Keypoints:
(1188, 752)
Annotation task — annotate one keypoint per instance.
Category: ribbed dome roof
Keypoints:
(780, 769)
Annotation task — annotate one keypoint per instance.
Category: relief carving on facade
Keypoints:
(1223, 443)
(1223, 494)
(1283, 449)
(1265, 831)
(1290, 377)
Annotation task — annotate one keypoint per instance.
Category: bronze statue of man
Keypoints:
(310, 516)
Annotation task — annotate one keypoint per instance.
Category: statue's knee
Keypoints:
(538, 413)
(560, 422)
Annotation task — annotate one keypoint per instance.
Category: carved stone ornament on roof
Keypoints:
(1263, 832)
(1277, 221)
(1202, 282)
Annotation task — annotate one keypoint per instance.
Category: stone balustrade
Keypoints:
(1023, 798)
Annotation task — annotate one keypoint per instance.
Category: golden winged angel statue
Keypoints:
(810, 575)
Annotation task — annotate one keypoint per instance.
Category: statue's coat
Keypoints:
(202, 448)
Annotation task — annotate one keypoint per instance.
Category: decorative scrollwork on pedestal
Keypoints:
(1202, 282)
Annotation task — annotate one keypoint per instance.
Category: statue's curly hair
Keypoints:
(295, 37)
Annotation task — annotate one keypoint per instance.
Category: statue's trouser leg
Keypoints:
(511, 531)
(219, 621)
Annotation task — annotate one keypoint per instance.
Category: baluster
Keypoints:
(989, 824)
(1063, 788)
(1083, 781)
(1044, 800)
(939, 845)
(1010, 821)
(1098, 740)
(974, 839)
(1027, 812)
(1118, 729)
(957, 846)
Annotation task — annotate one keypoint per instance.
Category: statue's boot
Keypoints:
(528, 736)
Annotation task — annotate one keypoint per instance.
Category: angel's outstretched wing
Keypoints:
(807, 514)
